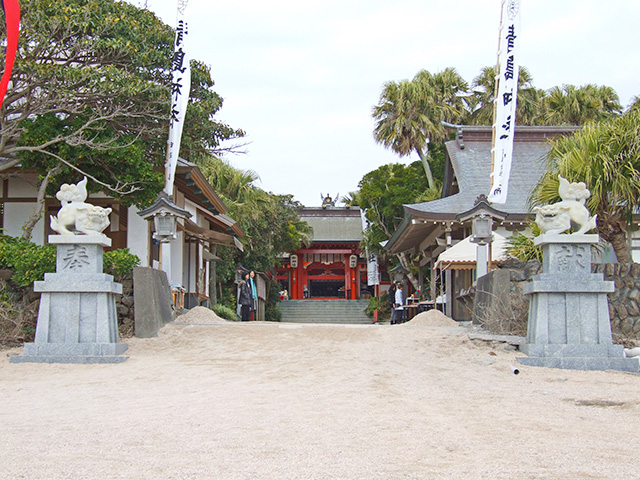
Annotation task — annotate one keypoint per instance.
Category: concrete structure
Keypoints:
(569, 324)
(152, 297)
(77, 320)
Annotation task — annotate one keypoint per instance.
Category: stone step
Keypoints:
(325, 311)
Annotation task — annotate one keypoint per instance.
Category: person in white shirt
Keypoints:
(397, 312)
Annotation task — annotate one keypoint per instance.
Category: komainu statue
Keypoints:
(571, 211)
(75, 216)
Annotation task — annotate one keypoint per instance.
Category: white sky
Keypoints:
(301, 77)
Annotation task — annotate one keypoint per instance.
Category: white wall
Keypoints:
(23, 186)
(138, 236)
(177, 263)
(16, 214)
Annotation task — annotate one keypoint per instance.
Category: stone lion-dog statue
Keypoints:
(77, 217)
(559, 217)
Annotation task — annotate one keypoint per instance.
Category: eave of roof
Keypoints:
(194, 185)
(470, 156)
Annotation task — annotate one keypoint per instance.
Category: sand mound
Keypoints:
(200, 315)
(432, 318)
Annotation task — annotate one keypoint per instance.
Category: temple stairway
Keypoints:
(325, 311)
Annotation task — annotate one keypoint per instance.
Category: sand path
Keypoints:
(280, 401)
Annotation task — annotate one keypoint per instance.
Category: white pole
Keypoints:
(481, 260)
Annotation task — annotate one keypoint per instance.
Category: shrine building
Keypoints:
(331, 267)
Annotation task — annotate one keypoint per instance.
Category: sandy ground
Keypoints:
(208, 399)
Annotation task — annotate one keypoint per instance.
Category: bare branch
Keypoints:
(119, 188)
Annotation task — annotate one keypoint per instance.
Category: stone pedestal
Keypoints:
(569, 324)
(77, 320)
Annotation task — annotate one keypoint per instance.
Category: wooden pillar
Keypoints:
(448, 278)
(294, 284)
(354, 283)
(213, 297)
(433, 290)
(347, 277)
(301, 273)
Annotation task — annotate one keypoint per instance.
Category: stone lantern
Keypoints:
(482, 216)
(165, 216)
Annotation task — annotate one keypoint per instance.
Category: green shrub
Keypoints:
(30, 262)
(271, 311)
(521, 246)
(224, 312)
(381, 304)
(120, 262)
(374, 304)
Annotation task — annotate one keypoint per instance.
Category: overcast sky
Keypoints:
(301, 77)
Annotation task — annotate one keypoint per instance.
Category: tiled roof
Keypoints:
(472, 166)
(335, 224)
(470, 156)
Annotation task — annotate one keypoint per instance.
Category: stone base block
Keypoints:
(72, 353)
(572, 350)
(83, 359)
(89, 349)
(583, 363)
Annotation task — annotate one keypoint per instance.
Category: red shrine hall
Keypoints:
(332, 266)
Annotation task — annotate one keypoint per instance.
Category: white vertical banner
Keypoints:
(180, 88)
(373, 275)
(506, 95)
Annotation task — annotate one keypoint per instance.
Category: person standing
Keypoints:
(254, 295)
(245, 298)
(392, 299)
(398, 305)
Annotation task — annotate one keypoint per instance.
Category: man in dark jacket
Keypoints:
(392, 299)
(246, 298)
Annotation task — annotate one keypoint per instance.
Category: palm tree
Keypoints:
(606, 156)
(409, 113)
(232, 184)
(571, 105)
(481, 100)
(400, 125)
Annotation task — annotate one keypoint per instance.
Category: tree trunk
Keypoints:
(27, 228)
(406, 263)
(619, 242)
(424, 158)
(612, 229)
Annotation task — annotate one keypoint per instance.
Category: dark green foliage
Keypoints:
(119, 262)
(30, 262)
(225, 312)
(90, 92)
(521, 247)
(383, 192)
(381, 304)
(272, 313)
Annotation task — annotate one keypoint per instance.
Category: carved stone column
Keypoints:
(77, 319)
(569, 324)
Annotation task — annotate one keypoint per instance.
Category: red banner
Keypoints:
(12, 15)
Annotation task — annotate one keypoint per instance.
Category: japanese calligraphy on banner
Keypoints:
(373, 276)
(180, 88)
(506, 94)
